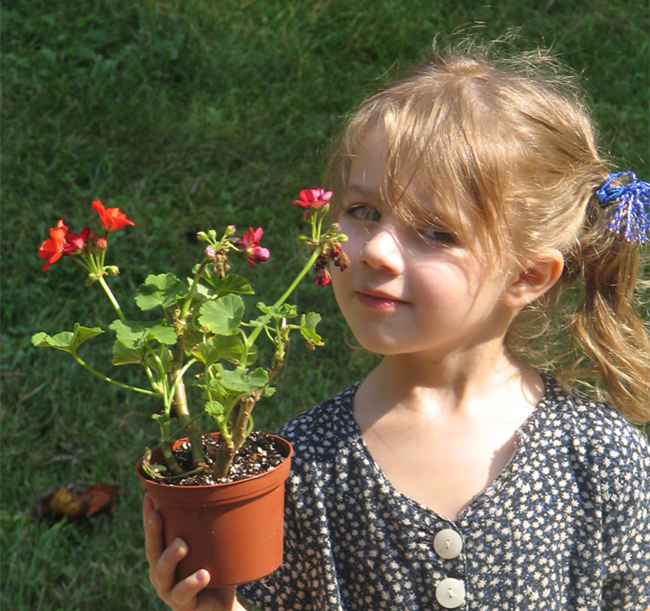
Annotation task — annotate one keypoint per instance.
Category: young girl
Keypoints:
(456, 475)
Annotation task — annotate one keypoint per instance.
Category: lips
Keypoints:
(379, 295)
(378, 300)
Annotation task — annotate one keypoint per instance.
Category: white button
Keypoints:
(450, 593)
(448, 544)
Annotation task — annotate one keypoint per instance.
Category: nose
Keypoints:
(382, 251)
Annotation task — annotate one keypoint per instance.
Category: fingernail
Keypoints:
(202, 576)
(180, 547)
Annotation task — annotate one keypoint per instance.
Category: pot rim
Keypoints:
(219, 485)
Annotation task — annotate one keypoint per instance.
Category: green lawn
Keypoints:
(189, 115)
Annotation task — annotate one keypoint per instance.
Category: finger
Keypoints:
(153, 539)
(163, 573)
(185, 591)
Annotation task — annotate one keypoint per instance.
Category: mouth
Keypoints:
(378, 300)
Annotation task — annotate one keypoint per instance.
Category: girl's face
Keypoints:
(410, 290)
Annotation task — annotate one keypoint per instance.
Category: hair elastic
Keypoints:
(632, 200)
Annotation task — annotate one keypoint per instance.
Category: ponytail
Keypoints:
(606, 324)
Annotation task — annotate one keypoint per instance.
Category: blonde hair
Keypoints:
(512, 139)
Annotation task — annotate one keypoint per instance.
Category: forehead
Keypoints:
(368, 164)
(375, 174)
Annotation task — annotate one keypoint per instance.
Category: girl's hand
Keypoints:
(187, 595)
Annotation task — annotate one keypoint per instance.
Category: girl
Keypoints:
(456, 475)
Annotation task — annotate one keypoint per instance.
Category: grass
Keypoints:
(190, 115)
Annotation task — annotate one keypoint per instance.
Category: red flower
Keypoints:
(111, 218)
(52, 248)
(250, 241)
(75, 243)
(313, 198)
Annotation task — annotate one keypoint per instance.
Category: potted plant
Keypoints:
(213, 489)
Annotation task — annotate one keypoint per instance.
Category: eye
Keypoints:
(436, 235)
(363, 212)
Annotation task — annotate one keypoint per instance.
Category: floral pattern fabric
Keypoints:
(565, 526)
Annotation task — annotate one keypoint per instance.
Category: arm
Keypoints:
(189, 594)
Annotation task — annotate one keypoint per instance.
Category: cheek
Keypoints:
(339, 280)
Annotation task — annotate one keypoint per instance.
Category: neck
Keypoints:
(459, 383)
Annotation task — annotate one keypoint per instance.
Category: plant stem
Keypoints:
(253, 336)
(107, 379)
(170, 459)
(224, 457)
(195, 283)
(108, 292)
(300, 276)
(241, 424)
(182, 410)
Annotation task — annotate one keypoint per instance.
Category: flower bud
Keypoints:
(113, 270)
(342, 262)
(230, 230)
(101, 243)
(335, 251)
(210, 252)
(301, 239)
(212, 234)
(323, 279)
(321, 262)
(202, 236)
(307, 216)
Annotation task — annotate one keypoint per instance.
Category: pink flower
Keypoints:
(250, 242)
(52, 248)
(313, 198)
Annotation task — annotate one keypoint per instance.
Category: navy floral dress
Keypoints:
(564, 527)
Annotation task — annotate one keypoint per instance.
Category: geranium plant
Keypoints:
(198, 328)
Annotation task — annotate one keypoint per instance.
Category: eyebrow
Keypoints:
(361, 189)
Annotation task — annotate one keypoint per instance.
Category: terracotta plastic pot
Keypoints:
(234, 530)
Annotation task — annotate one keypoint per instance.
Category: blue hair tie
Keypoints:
(632, 200)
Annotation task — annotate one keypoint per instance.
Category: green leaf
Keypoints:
(162, 290)
(163, 332)
(286, 310)
(231, 283)
(206, 353)
(133, 334)
(83, 334)
(240, 381)
(269, 391)
(123, 355)
(214, 409)
(308, 328)
(66, 341)
(153, 470)
(229, 348)
(223, 316)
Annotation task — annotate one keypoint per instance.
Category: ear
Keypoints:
(527, 285)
